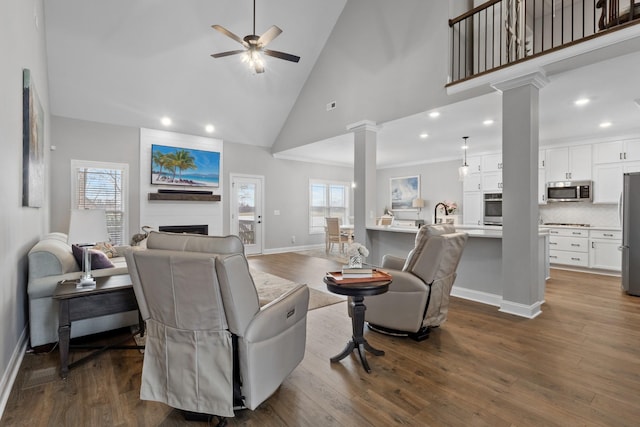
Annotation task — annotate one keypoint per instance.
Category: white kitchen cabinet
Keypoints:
(472, 182)
(607, 180)
(492, 163)
(616, 151)
(475, 164)
(492, 181)
(472, 208)
(542, 157)
(604, 252)
(542, 187)
(569, 246)
(568, 163)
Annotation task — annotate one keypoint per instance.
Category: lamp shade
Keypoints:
(88, 226)
(418, 203)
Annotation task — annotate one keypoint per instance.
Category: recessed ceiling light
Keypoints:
(487, 122)
(209, 128)
(424, 135)
(434, 114)
(581, 101)
(166, 121)
(605, 124)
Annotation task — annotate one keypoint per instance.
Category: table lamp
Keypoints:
(418, 203)
(86, 228)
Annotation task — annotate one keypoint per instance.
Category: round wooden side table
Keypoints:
(357, 292)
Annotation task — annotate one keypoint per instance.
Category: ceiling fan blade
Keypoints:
(269, 35)
(281, 55)
(229, 34)
(229, 53)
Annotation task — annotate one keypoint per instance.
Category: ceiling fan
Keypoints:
(255, 45)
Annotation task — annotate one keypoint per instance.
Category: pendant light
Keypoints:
(464, 169)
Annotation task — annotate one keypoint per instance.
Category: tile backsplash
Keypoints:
(581, 213)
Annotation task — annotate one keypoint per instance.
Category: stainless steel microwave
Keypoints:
(570, 191)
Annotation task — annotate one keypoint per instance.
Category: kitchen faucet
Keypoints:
(435, 211)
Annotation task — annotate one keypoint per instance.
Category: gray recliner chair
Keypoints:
(210, 347)
(418, 297)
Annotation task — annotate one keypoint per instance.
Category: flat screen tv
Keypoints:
(184, 166)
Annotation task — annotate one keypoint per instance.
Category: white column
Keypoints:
(364, 176)
(521, 279)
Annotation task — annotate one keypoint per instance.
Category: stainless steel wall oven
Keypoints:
(492, 209)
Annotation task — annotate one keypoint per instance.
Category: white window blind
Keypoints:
(97, 185)
(327, 199)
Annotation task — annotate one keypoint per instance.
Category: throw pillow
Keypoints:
(98, 259)
(108, 249)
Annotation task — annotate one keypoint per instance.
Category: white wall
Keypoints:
(163, 212)
(382, 62)
(22, 45)
(286, 189)
(439, 182)
(286, 181)
(83, 140)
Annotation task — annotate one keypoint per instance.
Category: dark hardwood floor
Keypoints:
(577, 364)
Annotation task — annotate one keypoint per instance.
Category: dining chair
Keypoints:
(334, 235)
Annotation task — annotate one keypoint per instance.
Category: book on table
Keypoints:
(375, 276)
(353, 270)
(356, 272)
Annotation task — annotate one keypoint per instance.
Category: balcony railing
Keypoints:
(503, 32)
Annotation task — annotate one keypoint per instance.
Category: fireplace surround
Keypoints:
(190, 229)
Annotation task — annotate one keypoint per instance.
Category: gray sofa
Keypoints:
(50, 261)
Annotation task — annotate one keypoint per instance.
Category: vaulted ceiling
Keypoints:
(133, 62)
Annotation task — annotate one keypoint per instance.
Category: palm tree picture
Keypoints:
(184, 166)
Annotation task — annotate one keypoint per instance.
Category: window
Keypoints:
(327, 198)
(99, 185)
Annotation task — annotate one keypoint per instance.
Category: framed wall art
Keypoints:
(32, 144)
(403, 191)
(184, 166)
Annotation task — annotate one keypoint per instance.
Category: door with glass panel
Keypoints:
(246, 211)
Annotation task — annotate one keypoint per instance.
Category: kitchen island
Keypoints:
(479, 274)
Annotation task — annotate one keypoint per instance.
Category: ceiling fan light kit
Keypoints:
(254, 45)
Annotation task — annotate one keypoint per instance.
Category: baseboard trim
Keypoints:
(9, 376)
(522, 310)
(517, 309)
(292, 249)
(477, 296)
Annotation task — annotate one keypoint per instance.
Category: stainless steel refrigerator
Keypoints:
(631, 233)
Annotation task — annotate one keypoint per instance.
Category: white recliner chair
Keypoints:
(418, 297)
(210, 347)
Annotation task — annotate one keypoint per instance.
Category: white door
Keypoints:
(246, 211)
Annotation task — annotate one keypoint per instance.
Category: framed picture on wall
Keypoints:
(32, 144)
(404, 190)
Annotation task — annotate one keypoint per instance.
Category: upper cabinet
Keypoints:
(617, 151)
(475, 164)
(542, 159)
(610, 161)
(492, 163)
(568, 163)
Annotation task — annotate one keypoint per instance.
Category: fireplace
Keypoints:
(190, 229)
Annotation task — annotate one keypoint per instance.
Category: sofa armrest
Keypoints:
(44, 287)
(393, 262)
(279, 315)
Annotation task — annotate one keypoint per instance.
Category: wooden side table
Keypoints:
(357, 291)
(113, 294)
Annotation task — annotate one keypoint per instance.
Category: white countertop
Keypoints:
(591, 227)
(488, 231)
